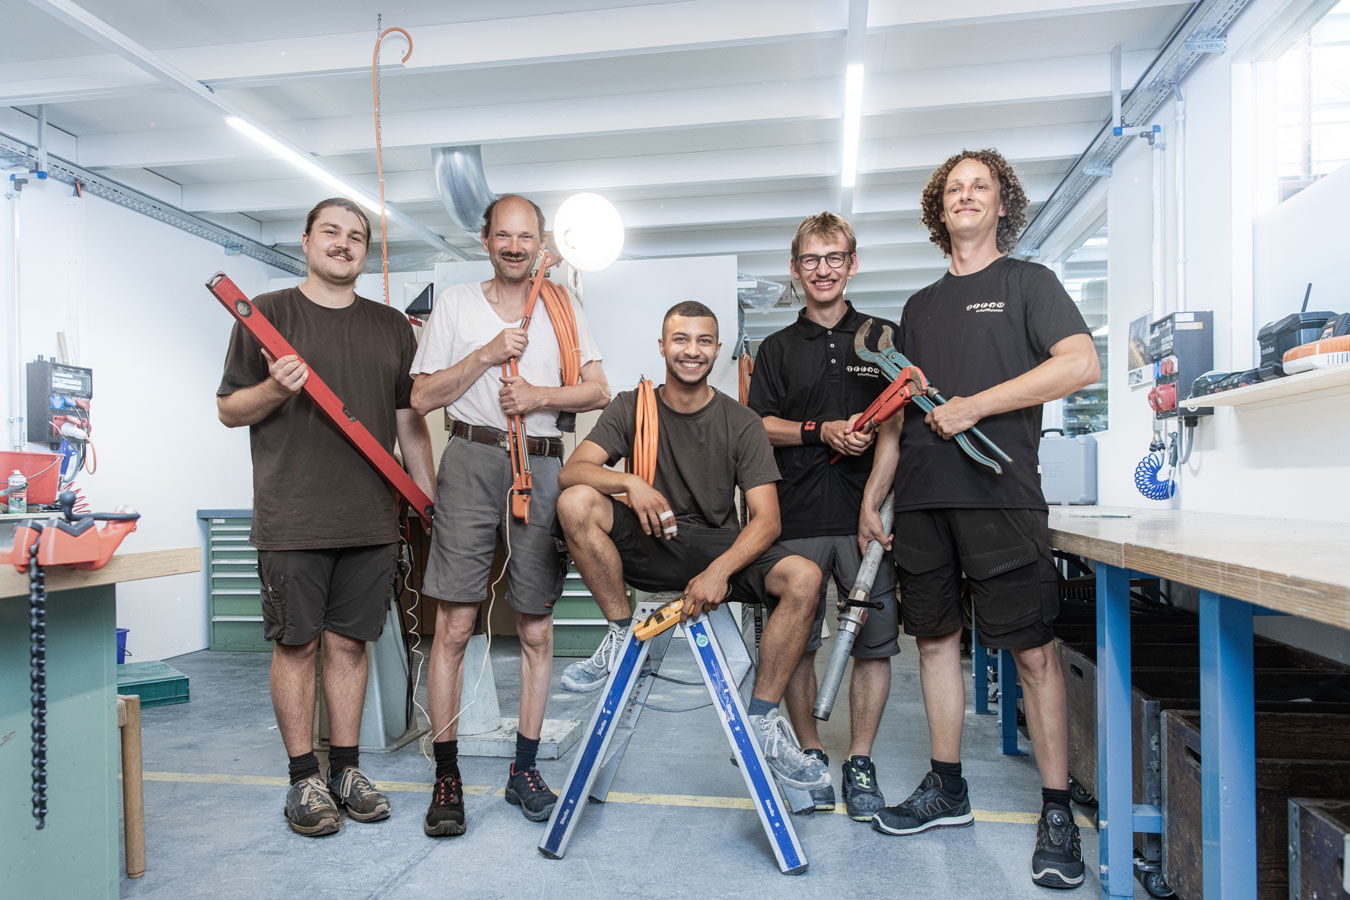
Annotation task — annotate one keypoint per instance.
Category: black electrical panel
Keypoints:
(1181, 346)
(58, 395)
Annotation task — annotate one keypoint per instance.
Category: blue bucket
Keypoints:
(122, 645)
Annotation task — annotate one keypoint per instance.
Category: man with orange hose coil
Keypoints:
(471, 333)
(681, 531)
(809, 386)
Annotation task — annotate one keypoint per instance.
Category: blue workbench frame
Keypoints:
(1227, 744)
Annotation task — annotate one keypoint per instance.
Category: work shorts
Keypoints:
(346, 591)
(838, 557)
(473, 512)
(1005, 557)
(656, 564)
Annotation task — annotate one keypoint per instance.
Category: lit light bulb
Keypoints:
(588, 231)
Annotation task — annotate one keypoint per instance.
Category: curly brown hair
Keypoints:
(1012, 196)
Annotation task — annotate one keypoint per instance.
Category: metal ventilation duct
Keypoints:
(1193, 39)
(26, 155)
(462, 184)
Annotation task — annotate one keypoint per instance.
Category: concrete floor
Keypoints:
(679, 823)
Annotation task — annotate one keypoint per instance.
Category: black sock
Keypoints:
(760, 707)
(946, 769)
(622, 623)
(1050, 796)
(340, 758)
(303, 766)
(447, 758)
(526, 751)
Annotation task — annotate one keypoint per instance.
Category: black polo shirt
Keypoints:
(803, 373)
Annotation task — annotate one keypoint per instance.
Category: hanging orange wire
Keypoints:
(379, 156)
(646, 434)
(744, 369)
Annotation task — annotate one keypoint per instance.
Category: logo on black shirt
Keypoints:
(989, 306)
(868, 371)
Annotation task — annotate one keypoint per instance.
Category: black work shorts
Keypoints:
(345, 591)
(1005, 556)
(656, 564)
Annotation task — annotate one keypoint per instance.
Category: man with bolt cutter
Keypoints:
(498, 480)
(1001, 337)
(325, 523)
(809, 386)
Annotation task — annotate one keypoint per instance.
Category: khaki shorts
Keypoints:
(838, 557)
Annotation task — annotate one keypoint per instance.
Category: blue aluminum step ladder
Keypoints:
(621, 702)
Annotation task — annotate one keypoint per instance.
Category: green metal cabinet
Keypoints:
(578, 624)
(232, 585)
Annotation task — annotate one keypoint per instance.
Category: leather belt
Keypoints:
(482, 434)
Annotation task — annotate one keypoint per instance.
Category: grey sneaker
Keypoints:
(591, 674)
(862, 794)
(822, 797)
(354, 791)
(784, 755)
(310, 809)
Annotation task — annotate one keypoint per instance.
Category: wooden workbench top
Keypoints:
(1295, 566)
(122, 567)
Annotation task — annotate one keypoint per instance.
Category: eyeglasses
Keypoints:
(811, 261)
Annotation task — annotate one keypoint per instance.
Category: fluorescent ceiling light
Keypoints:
(303, 162)
(1100, 332)
(853, 88)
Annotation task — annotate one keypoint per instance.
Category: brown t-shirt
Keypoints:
(311, 488)
(701, 457)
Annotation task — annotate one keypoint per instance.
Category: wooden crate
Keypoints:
(1319, 837)
(1322, 766)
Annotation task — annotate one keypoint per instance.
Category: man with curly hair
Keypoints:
(1000, 336)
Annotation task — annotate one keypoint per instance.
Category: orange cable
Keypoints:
(646, 434)
(379, 155)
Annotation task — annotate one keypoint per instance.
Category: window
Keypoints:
(1083, 272)
(1308, 89)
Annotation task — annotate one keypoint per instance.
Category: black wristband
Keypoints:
(811, 436)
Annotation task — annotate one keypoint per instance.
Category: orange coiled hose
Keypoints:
(379, 154)
(744, 369)
(646, 435)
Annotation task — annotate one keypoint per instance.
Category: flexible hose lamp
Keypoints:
(588, 232)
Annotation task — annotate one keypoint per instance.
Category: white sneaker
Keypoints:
(784, 755)
(590, 674)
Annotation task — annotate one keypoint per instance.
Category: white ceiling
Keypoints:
(714, 126)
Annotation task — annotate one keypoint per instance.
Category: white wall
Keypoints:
(1287, 461)
(130, 294)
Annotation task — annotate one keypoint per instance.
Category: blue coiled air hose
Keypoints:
(1146, 477)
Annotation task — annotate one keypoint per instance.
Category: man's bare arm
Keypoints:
(519, 397)
(250, 405)
(710, 587)
(414, 440)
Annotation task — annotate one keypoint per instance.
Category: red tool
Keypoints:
(86, 542)
(908, 384)
(256, 324)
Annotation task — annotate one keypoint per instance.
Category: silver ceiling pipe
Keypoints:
(462, 184)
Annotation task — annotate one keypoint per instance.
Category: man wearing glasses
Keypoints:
(808, 386)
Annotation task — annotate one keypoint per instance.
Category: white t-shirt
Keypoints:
(463, 320)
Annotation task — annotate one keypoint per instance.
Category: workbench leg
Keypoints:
(1008, 692)
(979, 671)
(1115, 778)
(1227, 748)
(133, 795)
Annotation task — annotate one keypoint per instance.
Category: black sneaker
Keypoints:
(822, 798)
(310, 809)
(1058, 860)
(930, 806)
(862, 794)
(354, 791)
(527, 790)
(445, 816)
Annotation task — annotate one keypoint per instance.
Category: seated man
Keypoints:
(681, 531)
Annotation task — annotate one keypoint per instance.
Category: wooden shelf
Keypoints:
(1290, 389)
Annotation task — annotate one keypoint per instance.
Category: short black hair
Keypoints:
(492, 207)
(340, 203)
(690, 309)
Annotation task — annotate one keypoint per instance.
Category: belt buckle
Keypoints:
(503, 440)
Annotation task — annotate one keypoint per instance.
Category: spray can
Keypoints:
(18, 492)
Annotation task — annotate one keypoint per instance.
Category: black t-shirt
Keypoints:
(311, 488)
(807, 372)
(701, 457)
(968, 333)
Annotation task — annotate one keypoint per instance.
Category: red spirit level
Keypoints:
(256, 324)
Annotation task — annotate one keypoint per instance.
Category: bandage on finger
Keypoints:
(671, 528)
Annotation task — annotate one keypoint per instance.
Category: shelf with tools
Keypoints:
(1315, 384)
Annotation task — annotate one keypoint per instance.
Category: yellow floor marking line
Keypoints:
(641, 799)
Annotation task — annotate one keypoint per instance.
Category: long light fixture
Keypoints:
(853, 90)
(302, 162)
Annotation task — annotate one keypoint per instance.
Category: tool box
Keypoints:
(1068, 468)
